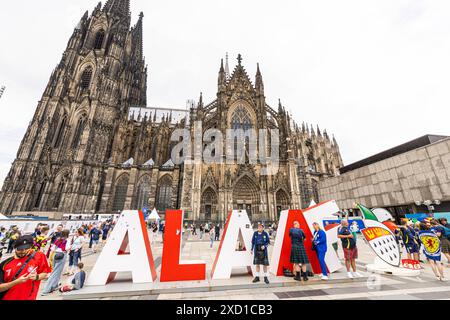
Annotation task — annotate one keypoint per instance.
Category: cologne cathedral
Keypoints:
(94, 146)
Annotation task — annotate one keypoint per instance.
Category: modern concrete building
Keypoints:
(413, 177)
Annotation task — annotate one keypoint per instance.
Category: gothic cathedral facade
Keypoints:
(86, 152)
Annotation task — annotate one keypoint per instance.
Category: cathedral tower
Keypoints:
(101, 75)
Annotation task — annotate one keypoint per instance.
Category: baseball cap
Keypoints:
(24, 242)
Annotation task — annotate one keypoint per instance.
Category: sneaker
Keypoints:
(324, 278)
(439, 278)
(266, 280)
(256, 280)
(443, 279)
(357, 275)
(350, 275)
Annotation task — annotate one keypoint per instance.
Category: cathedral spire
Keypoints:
(259, 84)
(227, 67)
(137, 33)
(222, 76)
(200, 101)
(117, 7)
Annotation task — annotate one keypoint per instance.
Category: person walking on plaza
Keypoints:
(201, 231)
(320, 245)
(58, 259)
(217, 232)
(260, 242)
(350, 249)
(94, 236)
(41, 241)
(211, 237)
(407, 234)
(162, 229)
(105, 232)
(298, 253)
(439, 230)
(13, 235)
(74, 249)
(154, 230)
(435, 261)
(28, 267)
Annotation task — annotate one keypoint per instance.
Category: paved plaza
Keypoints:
(239, 287)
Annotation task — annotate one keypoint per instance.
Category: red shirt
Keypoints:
(29, 289)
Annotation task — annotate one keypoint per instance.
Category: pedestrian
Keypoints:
(407, 234)
(58, 259)
(298, 258)
(94, 236)
(217, 232)
(2, 236)
(41, 241)
(57, 233)
(194, 229)
(77, 282)
(154, 232)
(201, 231)
(105, 232)
(260, 242)
(211, 237)
(350, 249)
(435, 261)
(74, 249)
(13, 235)
(28, 267)
(439, 230)
(320, 246)
(162, 229)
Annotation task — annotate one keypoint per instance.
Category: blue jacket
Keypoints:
(320, 240)
(262, 239)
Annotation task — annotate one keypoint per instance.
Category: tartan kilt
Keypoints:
(261, 262)
(298, 254)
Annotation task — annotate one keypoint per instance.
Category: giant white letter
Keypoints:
(129, 232)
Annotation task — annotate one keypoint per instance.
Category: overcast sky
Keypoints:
(374, 73)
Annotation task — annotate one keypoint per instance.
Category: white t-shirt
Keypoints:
(77, 243)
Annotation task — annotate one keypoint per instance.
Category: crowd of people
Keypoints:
(46, 256)
(408, 237)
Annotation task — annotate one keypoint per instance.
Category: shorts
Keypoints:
(351, 254)
(412, 248)
(434, 258)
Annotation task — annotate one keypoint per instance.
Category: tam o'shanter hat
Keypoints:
(23, 243)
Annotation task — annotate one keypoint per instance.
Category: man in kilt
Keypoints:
(298, 252)
(260, 242)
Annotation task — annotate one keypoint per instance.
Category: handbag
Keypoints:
(313, 247)
(58, 256)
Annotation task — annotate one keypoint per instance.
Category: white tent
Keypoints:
(154, 215)
(3, 217)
